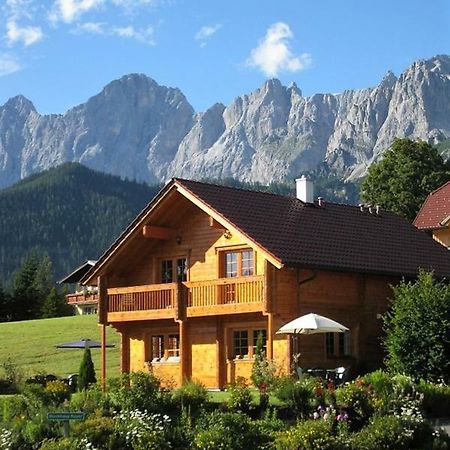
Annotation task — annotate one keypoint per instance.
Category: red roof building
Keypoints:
(434, 215)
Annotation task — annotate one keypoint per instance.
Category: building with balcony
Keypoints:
(204, 269)
(85, 299)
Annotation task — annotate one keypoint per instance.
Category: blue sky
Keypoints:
(58, 53)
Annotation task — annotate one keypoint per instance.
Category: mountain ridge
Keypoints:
(141, 130)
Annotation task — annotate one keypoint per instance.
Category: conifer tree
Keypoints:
(25, 298)
(43, 279)
(55, 305)
(5, 305)
(86, 374)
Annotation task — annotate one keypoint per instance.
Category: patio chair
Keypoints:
(341, 374)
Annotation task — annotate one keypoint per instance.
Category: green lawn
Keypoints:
(31, 345)
(224, 396)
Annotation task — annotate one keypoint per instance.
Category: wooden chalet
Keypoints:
(204, 269)
(434, 215)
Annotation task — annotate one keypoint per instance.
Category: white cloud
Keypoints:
(70, 10)
(133, 3)
(17, 9)
(143, 35)
(206, 32)
(91, 27)
(8, 65)
(274, 55)
(26, 35)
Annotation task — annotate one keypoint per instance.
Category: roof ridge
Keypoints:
(247, 189)
(237, 188)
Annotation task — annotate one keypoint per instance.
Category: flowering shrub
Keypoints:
(299, 395)
(228, 431)
(240, 397)
(91, 400)
(98, 432)
(382, 432)
(144, 431)
(5, 439)
(307, 435)
(57, 391)
(137, 390)
(356, 397)
(436, 398)
(65, 444)
(192, 395)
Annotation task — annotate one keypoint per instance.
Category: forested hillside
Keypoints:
(70, 212)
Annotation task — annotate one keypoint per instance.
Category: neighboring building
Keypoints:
(434, 215)
(204, 269)
(85, 298)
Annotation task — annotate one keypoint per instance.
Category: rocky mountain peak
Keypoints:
(20, 104)
(141, 130)
(388, 80)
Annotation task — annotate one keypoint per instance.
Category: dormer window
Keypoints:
(239, 263)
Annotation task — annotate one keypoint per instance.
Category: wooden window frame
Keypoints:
(222, 253)
(160, 344)
(341, 346)
(251, 341)
(174, 260)
(168, 352)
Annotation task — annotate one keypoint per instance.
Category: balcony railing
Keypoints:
(225, 291)
(176, 298)
(142, 298)
(80, 298)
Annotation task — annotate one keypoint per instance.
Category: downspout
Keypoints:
(306, 280)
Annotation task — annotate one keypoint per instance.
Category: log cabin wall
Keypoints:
(199, 243)
(202, 245)
(355, 300)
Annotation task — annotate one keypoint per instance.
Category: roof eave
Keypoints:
(336, 268)
(108, 255)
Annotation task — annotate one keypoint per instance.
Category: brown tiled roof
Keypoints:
(332, 236)
(435, 209)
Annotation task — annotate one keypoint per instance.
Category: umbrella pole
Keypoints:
(295, 353)
(103, 357)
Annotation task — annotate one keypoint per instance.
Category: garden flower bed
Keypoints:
(377, 411)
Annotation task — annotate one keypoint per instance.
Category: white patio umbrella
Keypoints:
(311, 324)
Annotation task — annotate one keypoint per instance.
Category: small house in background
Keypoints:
(85, 298)
(434, 215)
(204, 270)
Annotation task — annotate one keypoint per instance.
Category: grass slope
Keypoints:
(31, 345)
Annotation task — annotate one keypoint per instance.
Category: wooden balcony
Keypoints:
(152, 301)
(225, 296)
(187, 299)
(81, 298)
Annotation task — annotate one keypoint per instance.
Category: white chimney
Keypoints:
(305, 189)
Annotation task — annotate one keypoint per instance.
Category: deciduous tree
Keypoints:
(401, 181)
(418, 329)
